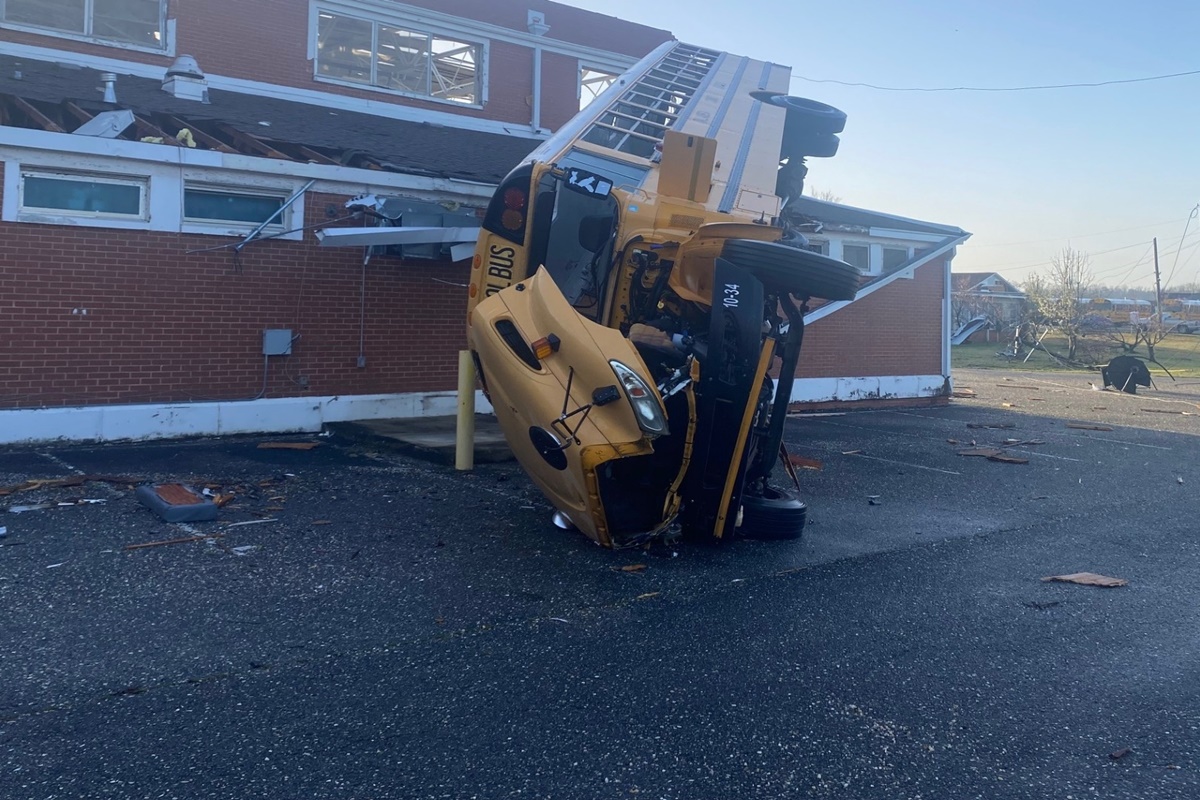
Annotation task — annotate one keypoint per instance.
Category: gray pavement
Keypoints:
(400, 630)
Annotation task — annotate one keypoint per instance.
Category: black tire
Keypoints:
(811, 114)
(790, 269)
(776, 516)
(806, 144)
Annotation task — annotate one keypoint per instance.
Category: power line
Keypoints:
(997, 88)
(975, 245)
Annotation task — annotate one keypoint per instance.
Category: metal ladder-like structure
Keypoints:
(636, 122)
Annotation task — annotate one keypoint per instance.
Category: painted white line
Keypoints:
(905, 464)
(1122, 441)
(1023, 451)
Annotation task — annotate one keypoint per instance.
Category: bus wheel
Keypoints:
(775, 516)
(815, 116)
(790, 269)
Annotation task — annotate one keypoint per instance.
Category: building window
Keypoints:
(592, 83)
(84, 195)
(213, 204)
(400, 59)
(858, 255)
(136, 22)
(894, 257)
(817, 246)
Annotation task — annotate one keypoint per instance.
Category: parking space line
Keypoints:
(904, 464)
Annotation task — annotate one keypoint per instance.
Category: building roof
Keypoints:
(292, 130)
(842, 215)
(971, 281)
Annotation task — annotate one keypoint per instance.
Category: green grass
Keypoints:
(1179, 353)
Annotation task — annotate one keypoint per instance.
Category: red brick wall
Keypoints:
(163, 326)
(227, 38)
(896, 330)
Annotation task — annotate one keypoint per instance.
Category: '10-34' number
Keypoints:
(731, 295)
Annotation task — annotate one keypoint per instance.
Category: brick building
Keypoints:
(139, 297)
(124, 309)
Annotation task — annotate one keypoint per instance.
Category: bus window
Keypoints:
(573, 240)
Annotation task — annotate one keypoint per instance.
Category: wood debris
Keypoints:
(964, 393)
(805, 463)
(1088, 579)
(995, 425)
(288, 445)
(1167, 411)
(184, 540)
(1082, 427)
(631, 568)
(74, 480)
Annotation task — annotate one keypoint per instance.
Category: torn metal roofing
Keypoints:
(46, 96)
(849, 216)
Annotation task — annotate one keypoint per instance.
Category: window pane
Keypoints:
(592, 82)
(858, 255)
(455, 70)
(894, 257)
(403, 60)
(62, 15)
(203, 204)
(81, 194)
(133, 21)
(344, 48)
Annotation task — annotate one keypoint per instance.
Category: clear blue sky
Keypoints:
(1026, 172)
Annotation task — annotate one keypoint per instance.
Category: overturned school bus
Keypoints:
(636, 282)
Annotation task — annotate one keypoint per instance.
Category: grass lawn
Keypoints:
(1179, 353)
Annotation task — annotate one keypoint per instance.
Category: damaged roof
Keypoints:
(848, 216)
(237, 122)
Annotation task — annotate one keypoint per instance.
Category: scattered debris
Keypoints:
(288, 445)
(321, 522)
(952, 441)
(805, 463)
(3, 531)
(55, 566)
(1099, 408)
(1021, 442)
(1079, 426)
(1179, 479)
(184, 540)
(174, 502)
(1088, 579)
(1007, 458)
(631, 568)
(647, 595)
(1119, 754)
(994, 425)
(559, 619)
(852, 452)
(964, 393)
(874, 500)
(982, 452)
(1018, 386)
(1040, 497)
(23, 509)
(244, 550)
(74, 480)
(251, 522)
(1008, 405)
(1168, 411)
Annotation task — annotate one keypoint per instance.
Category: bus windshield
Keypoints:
(572, 238)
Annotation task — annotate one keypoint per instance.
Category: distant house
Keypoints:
(986, 294)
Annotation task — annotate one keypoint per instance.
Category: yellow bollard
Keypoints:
(464, 440)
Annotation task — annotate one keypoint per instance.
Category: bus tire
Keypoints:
(806, 144)
(813, 115)
(775, 516)
(800, 272)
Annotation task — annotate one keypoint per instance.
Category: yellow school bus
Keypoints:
(636, 279)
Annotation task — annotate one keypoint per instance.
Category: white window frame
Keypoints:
(870, 268)
(585, 67)
(166, 27)
(398, 21)
(281, 223)
(68, 216)
(908, 253)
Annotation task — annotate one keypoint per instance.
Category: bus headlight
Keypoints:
(646, 408)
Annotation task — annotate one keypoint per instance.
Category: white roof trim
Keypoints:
(949, 229)
(906, 272)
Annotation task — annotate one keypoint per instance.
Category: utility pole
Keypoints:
(1157, 285)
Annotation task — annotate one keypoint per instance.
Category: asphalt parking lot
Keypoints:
(389, 628)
